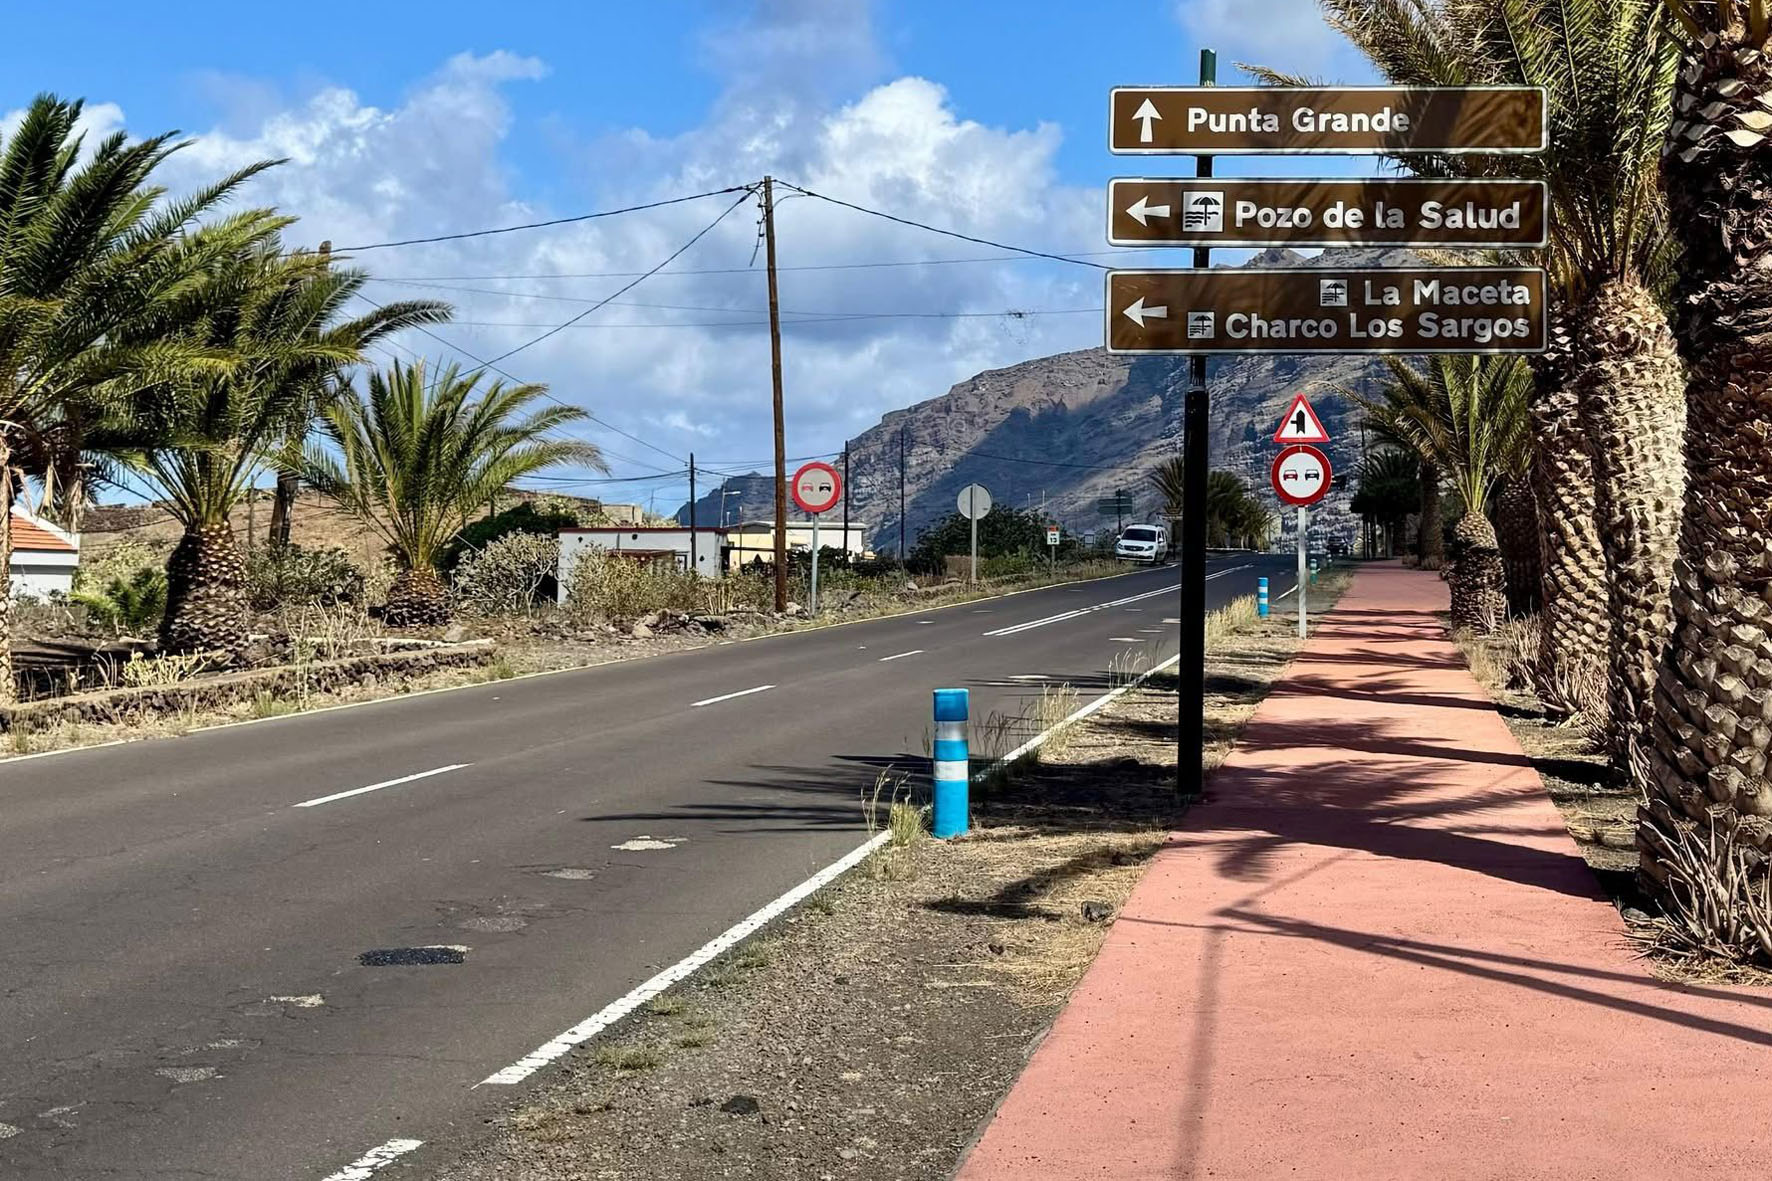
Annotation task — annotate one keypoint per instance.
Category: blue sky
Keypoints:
(406, 120)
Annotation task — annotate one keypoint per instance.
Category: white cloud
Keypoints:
(1289, 35)
(434, 164)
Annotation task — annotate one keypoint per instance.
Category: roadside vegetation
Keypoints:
(1607, 500)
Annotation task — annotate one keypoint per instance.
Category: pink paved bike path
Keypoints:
(1374, 952)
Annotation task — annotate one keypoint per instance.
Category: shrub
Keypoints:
(294, 576)
(543, 518)
(508, 575)
(99, 568)
(133, 604)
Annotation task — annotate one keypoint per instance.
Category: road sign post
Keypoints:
(816, 488)
(1327, 310)
(1493, 214)
(1301, 476)
(1052, 539)
(974, 502)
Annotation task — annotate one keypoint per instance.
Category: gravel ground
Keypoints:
(871, 1033)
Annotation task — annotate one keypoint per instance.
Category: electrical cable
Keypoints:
(538, 225)
(905, 221)
(629, 286)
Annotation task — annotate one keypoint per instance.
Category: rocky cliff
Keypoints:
(1069, 429)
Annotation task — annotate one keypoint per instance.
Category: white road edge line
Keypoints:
(357, 791)
(729, 696)
(365, 1166)
(1124, 640)
(560, 1046)
(902, 655)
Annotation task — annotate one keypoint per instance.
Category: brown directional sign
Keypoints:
(1327, 310)
(1298, 212)
(1317, 120)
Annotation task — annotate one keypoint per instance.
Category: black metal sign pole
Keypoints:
(1190, 775)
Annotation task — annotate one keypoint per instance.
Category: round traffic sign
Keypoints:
(1301, 475)
(816, 487)
(975, 501)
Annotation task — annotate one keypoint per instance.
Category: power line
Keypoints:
(550, 397)
(828, 266)
(905, 221)
(628, 286)
(538, 225)
(847, 318)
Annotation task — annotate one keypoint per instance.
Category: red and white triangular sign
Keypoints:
(1301, 424)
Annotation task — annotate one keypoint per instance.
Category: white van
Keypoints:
(1143, 543)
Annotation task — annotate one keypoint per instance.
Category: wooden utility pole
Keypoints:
(694, 564)
(901, 497)
(781, 450)
(846, 504)
(288, 479)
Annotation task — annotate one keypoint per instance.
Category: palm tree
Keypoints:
(1387, 489)
(1708, 824)
(199, 441)
(1468, 415)
(1169, 478)
(1608, 69)
(416, 461)
(90, 254)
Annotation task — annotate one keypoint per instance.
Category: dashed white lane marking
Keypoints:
(1124, 640)
(1150, 631)
(312, 1000)
(357, 791)
(1030, 677)
(646, 842)
(730, 696)
(902, 655)
(365, 1166)
(921, 622)
(1135, 610)
(1080, 611)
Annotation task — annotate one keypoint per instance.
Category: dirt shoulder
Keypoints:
(871, 1032)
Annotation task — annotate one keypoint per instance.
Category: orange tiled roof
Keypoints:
(29, 535)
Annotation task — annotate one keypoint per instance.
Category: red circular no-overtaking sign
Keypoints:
(1301, 476)
(816, 488)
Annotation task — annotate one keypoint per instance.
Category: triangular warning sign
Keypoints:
(1301, 424)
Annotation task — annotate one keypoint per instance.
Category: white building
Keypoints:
(752, 540)
(44, 557)
(669, 546)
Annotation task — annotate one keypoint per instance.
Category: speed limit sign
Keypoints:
(1301, 476)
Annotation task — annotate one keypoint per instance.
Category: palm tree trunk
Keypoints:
(1476, 575)
(282, 506)
(1575, 631)
(1631, 387)
(1708, 824)
(417, 598)
(8, 687)
(1430, 538)
(205, 593)
(1517, 531)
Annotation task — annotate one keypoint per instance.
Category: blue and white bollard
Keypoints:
(1261, 597)
(953, 762)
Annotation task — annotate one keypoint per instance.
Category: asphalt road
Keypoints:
(181, 994)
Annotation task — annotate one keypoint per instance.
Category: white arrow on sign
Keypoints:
(1147, 111)
(1142, 209)
(1138, 313)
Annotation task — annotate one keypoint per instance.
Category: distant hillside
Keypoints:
(1077, 426)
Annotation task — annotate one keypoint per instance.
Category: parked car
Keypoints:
(1143, 543)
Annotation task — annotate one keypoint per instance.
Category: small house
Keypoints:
(44, 557)
(672, 547)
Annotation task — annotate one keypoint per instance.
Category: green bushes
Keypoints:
(293, 576)
(131, 604)
(508, 575)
